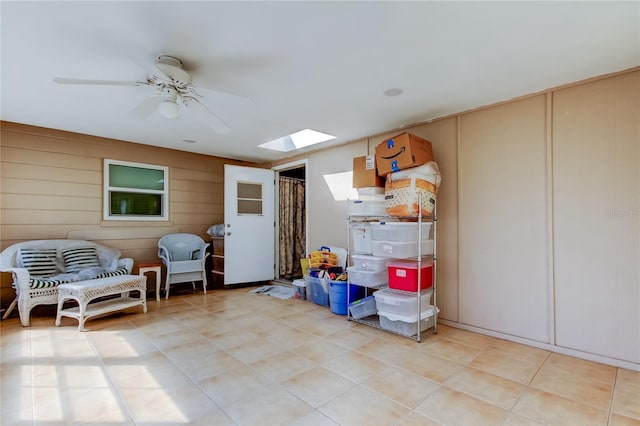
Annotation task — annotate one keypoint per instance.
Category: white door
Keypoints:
(249, 214)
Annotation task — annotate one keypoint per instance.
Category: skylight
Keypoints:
(297, 140)
(341, 186)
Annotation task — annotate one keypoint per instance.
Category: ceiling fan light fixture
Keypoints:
(169, 109)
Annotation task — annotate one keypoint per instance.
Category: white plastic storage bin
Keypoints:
(366, 208)
(371, 263)
(363, 308)
(401, 249)
(367, 277)
(407, 325)
(371, 193)
(399, 231)
(390, 302)
(360, 237)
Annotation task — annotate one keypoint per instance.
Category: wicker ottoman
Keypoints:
(86, 291)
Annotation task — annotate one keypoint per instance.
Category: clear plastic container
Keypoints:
(407, 326)
(367, 277)
(361, 237)
(372, 193)
(401, 249)
(399, 231)
(363, 308)
(371, 190)
(391, 302)
(371, 263)
(317, 290)
(366, 208)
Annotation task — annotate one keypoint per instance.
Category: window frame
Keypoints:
(107, 189)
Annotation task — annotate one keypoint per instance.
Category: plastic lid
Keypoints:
(409, 264)
(390, 295)
(384, 223)
(368, 257)
(363, 270)
(361, 301)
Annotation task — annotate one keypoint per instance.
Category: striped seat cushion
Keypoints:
(39, 262)
(79, 258)
(45, 283)
(120, 271)
(48, 283)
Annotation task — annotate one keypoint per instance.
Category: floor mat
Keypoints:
(277, 291)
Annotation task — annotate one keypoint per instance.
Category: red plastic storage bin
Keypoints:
(404, 275)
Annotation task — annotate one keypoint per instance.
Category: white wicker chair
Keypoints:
(184, 255)
(27, 297)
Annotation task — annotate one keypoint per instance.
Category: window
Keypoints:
(135, 191)
(249, 198)
(341, 186)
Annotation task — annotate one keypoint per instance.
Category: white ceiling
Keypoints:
(319, 65)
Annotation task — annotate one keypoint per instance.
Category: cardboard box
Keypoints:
(364, 172)
(402, 152)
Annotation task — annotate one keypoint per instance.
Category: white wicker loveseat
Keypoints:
(39, 266)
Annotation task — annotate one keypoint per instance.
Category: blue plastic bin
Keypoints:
(338, 296)
(317, 290)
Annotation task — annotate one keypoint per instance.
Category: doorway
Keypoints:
(291, 232)
(249, 215)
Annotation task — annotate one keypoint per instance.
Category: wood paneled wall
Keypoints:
(51, 187)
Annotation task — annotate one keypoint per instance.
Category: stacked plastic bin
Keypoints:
(397, 306)
(399, 312)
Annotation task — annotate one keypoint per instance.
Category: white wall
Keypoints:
(328, 217)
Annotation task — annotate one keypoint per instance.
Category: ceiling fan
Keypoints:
(174, 93)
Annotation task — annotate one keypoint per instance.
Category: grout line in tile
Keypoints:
(112, 385)
(613, 390)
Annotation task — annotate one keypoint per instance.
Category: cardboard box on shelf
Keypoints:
(401, 152)
(365, 174)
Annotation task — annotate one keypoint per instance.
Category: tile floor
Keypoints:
(234, 358)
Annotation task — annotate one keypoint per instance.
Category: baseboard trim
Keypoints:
(553, 348)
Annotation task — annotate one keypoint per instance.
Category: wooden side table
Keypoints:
(152, 267)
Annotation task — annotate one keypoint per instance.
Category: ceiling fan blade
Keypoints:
(147, 106)
(151, 69)
(204, 114)
(210, 93)
(98, 82)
